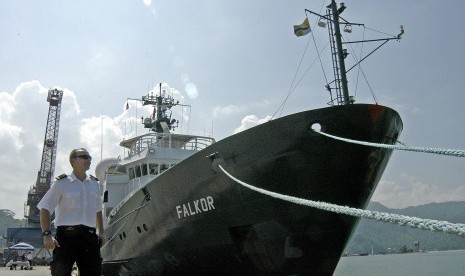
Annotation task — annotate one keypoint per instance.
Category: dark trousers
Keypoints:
(78, 244)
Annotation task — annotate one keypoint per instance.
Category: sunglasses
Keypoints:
(86, 157)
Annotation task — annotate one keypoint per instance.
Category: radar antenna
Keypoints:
(161, 121)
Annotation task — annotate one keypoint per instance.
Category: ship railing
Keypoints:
(137, 183)
(133, 186)
(196, 143)
(170, 141)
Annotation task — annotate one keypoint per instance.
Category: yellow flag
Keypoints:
(302, 29)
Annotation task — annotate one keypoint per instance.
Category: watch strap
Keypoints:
(47, 233)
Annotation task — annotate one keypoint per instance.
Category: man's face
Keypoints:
(82, 161)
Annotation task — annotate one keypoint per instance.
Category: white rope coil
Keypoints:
(414, 222)
(441, 151)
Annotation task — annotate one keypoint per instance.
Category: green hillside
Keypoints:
(385, 238)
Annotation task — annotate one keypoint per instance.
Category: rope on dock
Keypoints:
(414, 222)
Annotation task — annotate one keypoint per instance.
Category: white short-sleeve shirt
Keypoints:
(74, 201)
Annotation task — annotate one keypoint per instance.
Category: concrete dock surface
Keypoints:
(36, 271)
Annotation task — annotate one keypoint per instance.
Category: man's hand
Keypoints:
(50, 242)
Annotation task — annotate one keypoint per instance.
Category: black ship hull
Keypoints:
(195, 220)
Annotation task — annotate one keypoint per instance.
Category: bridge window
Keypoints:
(138, 172)
(131, 173)
(144, 169)
(153, 168)
(164, 167)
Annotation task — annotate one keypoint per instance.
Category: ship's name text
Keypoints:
(195, 207)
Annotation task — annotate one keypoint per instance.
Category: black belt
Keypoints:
(79, 227)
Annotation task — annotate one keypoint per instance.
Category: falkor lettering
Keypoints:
(195, 207)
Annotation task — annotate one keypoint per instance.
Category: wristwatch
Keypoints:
(46, 233)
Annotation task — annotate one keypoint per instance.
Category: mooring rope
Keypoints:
(441, 151)
(414, 222)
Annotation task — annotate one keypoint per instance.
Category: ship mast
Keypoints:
(340, 52)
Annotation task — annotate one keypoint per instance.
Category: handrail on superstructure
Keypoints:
(168, 140)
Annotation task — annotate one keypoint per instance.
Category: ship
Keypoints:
(170, 209)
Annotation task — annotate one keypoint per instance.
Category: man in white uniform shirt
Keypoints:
(76, 201)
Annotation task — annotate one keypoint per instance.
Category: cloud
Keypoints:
(6, 106)
(100, 134)
(251, 121)
(18, 116)
(9, 134)
(231, 110)
(224, 111)
(228, 117)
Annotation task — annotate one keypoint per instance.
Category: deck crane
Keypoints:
(47, 164)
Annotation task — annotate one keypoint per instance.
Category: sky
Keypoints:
(234, 63)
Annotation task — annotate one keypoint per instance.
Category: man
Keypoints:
(29, 258)
(75, 198)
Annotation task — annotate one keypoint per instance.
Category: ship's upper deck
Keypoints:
(166, 140)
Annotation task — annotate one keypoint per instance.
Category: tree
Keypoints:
(7, 220)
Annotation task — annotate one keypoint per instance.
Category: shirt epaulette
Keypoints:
(61, 176)
(93, 177)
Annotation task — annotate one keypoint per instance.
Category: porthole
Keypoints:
(138, 229)
(145, 227)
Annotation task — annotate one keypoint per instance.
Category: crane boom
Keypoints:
(47, 165)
